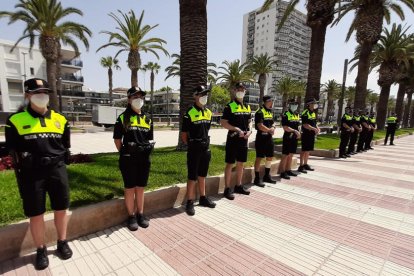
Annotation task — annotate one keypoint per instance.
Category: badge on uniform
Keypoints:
(57, 124)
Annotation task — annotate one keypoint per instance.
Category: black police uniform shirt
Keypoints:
(292, 120)
(308, 117)
(265, 117)
(364, 119)
(356, 120)
(238, 115)
(372, 121)
(46, 135)
(197, 122)
(348, 120)
(139, 130)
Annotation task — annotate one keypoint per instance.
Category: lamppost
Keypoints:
(168, 107)
(24, 65)
(341, 100)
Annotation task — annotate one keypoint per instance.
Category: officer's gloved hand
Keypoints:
(67, 157)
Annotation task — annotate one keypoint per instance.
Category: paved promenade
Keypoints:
(349, 217)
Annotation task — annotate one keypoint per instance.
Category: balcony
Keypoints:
(72, 62)
(71, 77)
(73, 93)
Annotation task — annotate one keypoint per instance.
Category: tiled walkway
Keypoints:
(349, 217)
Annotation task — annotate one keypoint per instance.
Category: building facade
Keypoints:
(289, 47)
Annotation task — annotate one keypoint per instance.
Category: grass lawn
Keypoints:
(331, 141)
(101, 180)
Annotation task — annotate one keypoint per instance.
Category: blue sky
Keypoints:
(225, 26)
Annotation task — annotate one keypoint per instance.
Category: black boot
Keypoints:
(206, 202)
(228, 193)
(240, 189)
(301, 169)
(267, 178)
(64, 250)
(258, 182)
(42, 261)
(189, 208)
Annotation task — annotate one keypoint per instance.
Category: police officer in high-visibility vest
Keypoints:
(392, 125)
(363, 136)
(236, 118)
(346, 131)
(264, 124)
(194, 133)
(133, 135)
(309, 131)
(373, 123)
(356, 124)
(39, 141)
(290, 124)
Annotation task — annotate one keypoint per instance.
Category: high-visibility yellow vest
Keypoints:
(292, 117)
(357, 118)
(26, 124)
(311, 116)
(238, 108)
(392, 120)
(197, 116)
(267, 115)
(134, 122)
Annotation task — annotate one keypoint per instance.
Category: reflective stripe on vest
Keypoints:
(357, 118)
(134, 121)
(348, 117)
(199, 115)
(392, 120)
(27, 124)
(312, 116)
(292, 117)
(266, 114)
(372, 120)
(365, 117)
(238, 108)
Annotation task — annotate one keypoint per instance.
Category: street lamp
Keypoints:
(24, 65)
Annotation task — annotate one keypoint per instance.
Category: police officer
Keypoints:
(133, 133)
(346, 131)
(392, 125)
(363, 136)
(309, 130)
(290, 124)
(356, 124)
(194, 133)
(373, 123)
(39, 139)
(263, 120)
(236, 118)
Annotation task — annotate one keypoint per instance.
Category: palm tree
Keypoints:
(350, 95)
(131, 36)
(43, 19)
(261, 66)
(390, 106)
(153, 67)
(320, 14)
(372, 99)
(393, 50)
(286, 87)
(332, 89)
(300, 90)
(234, 72)
(368, 20)
(110, 62)
(193, 56)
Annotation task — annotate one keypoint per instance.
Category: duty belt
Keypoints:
(204, 142)
(29, 160)
(134, 148)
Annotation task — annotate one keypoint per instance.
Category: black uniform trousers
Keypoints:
(369, 139)
(390, 133)
(362, 141)
(352, 141)
(345, 136)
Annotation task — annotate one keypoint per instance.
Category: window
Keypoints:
(31, 71)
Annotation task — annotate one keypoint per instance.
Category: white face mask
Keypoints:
(40, 100)
(315, 106)
(294, 107)
(240, 94)
(137, 103)
(203, 100)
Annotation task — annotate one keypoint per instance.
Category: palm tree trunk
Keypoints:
(193, 40)
(134, 77)
(411, 124)
(362, 77)
(59, 80)
(51, 79)
(284, 101)
(315, 61)
(329, 110)
(262, 85)
(399, 105)
(110, 73)
(382, 105)
(152, 78)
(407, 109)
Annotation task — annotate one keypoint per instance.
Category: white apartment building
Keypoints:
(23, 63)
(289, 47)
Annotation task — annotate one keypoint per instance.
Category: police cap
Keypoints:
(200, 90)
(135, 90)
(36, 85)
(266, 98)
(292, 101)
(311, 101)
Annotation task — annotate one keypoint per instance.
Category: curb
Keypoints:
(17, 241)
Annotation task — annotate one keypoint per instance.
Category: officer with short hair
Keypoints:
(236, 118)
(363, 136)
(309, 131)
(194, 133)
(346, 131)
(356, 124)
(264, 124)
(133, 133)
(392, 125)
(39, 141)
(373, 123)
(290, 124)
